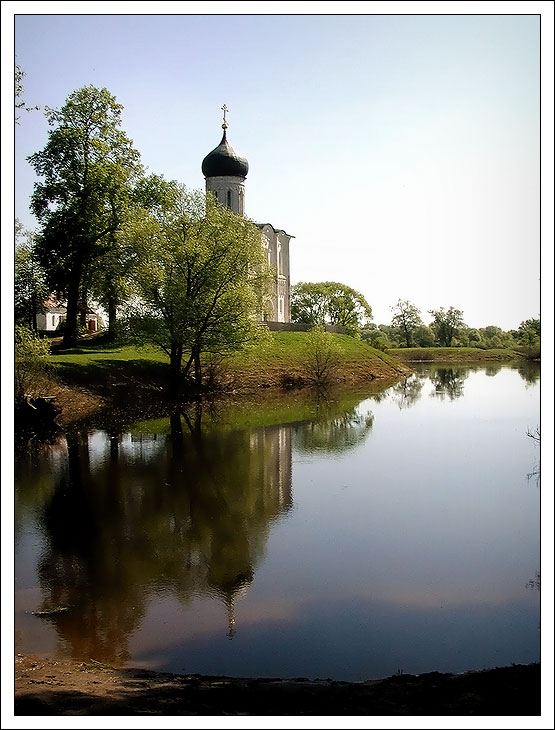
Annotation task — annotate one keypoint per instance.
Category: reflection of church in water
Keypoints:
(238, 539)
(270, 447)
(274, 442)
(225, 172)
(185, 514)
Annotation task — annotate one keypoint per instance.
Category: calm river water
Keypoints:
(392, 532)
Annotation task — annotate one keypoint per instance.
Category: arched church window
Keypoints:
(229, 198)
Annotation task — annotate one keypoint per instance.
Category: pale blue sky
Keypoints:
(401, 151)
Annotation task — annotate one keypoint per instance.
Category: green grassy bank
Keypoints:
(97, 374)
(460, 355)
(283, 358)
(280, 359)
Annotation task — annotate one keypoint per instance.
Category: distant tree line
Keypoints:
(333, 303)
(447, 328)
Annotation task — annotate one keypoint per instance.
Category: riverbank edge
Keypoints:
(460, 356)
(48, 686)
(98, 389)
(78, 403)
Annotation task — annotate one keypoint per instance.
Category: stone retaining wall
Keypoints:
(300, 327)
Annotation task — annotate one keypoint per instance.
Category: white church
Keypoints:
(225, 173)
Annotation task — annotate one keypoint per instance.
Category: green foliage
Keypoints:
(446, 325)
(423, 336)
(32, 356)
(113, 279)
(382, 336)
(382, 343)
(448, 330)
(20, 103)
(530, 324)
(201, 277)
(329, 302)
(87, 171)
(322, 357)
(406, 318)
(472, 337)
(18, 93)
(492, 331)
(369, 332)
(528, 337)
(98, 362)
(30, 288)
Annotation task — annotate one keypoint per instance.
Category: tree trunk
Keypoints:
(176, 355)
(112, 318)
(83, 308)
(35, 325)
(70, 331)
(198, 370)
(175, 426)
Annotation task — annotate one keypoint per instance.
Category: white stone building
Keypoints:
(225, 173)
(54, 314)
(50, 319)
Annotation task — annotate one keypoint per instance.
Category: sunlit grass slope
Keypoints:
(452, 354)
(280, 357)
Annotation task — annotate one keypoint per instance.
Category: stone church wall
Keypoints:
(301, 327)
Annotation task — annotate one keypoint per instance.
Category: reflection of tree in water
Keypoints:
(529, 371)
(189, 515)
(448, 382)
(492, 370)
(87, 565)
(37, 483)
(408, 391)
(331, 431)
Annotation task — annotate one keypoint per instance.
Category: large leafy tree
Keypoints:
(87, 170)
(329, 302)
(529, 332)
(423, 336)
(201, 277)
(528, 337)
(446, 324)
(112, 280)
(406, 318)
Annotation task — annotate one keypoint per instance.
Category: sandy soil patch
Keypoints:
(67, 687)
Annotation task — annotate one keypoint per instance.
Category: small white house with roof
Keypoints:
(54, 314)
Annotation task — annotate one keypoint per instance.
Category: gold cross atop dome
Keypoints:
(225, 110)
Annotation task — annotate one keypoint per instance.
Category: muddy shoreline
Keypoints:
(45, 687)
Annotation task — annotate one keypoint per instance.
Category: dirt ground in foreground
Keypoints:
(65, 687)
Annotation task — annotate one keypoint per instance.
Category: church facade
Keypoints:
(225, 173)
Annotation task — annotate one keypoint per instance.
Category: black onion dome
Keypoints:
(224, 161)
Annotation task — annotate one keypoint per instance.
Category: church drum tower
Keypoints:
(225, 172)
